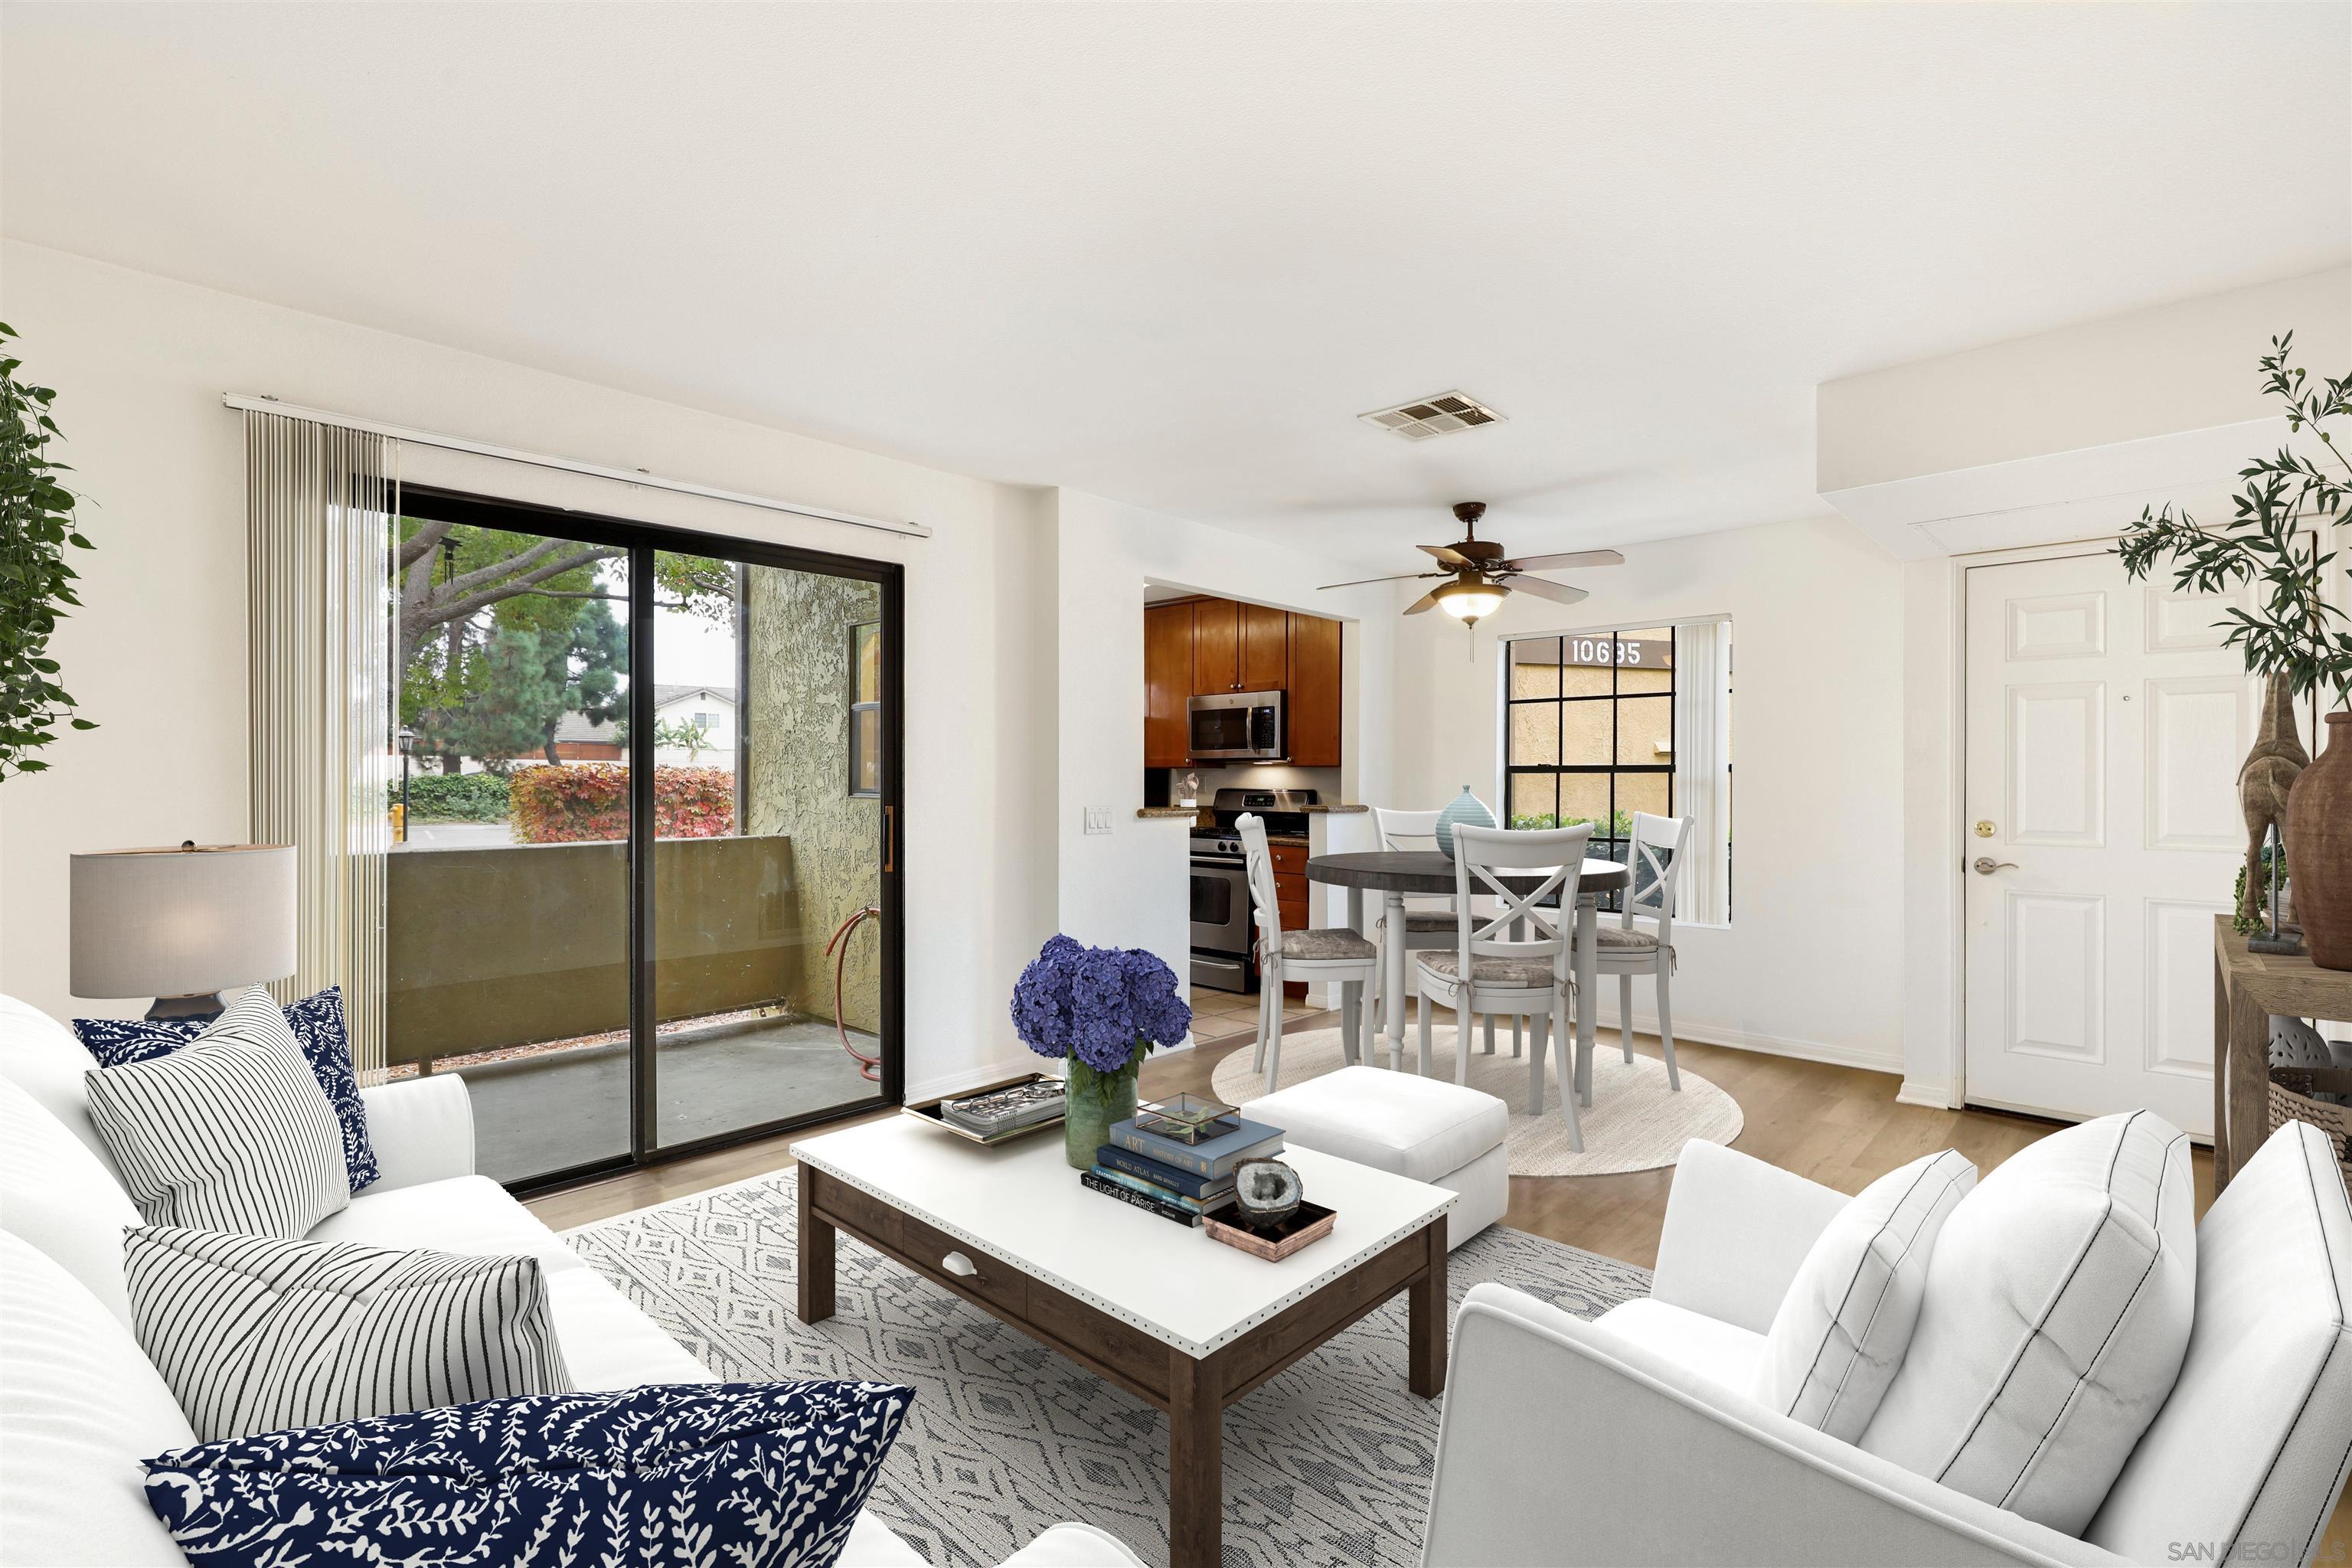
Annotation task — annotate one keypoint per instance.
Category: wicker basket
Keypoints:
(2291, 1092)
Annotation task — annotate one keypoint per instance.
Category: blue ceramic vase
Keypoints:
(1465, 811)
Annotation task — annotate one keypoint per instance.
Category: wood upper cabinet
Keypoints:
(1167, 684)
(1314, 692)
(1265, 649)
(1208, 647)
(1216, 647)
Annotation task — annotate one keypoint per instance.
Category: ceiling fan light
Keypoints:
(1467, 599)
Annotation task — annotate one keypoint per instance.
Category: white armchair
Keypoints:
(1673, 1464)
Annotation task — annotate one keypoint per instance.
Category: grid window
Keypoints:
(865, 711)
(1590, 733)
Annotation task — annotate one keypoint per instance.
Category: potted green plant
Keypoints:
(2281, 538)
(37, 527)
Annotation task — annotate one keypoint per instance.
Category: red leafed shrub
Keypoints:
(590, 801)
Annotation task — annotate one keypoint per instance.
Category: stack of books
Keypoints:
(1174, 1179)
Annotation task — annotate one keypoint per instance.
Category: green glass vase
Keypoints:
(1093, 1101)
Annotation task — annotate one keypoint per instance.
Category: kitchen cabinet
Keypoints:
(1208, 647)
(1167, 684)
(1314, 692)
(1264, 656)
(1216, 647)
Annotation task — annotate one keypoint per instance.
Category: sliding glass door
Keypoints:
(770, 831)
(645, 890)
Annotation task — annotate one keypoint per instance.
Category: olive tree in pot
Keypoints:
(37, 527)
(2281, 539)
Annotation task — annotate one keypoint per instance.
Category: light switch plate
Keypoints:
(1098, 819)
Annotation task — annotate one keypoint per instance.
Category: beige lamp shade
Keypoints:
(184, 922)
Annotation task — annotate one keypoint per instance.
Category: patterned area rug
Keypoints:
(1635, 1123)
(1327, 1464)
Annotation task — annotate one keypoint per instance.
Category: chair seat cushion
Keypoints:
(1332, 943)
(706, 1473)
(1721, 1352)
(2058, 1307)
(1417, 921)
(1504, 973)
(1396, 1121)
(1623, 939)
(1843, 1326)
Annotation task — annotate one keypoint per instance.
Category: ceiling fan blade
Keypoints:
(1558, 593)
(1573, 558)
(1400, 577)
(1447, 554)
(1426, 602)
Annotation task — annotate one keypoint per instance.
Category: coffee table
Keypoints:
(1176, 1319)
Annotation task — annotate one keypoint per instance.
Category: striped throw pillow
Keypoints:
(231, 1132)
(254, 1334)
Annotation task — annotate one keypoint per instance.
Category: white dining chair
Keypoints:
(1309, 955)
(1486, 971)
(1654, 856)
(1430, 926)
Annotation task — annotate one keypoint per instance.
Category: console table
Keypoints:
(2248, 987)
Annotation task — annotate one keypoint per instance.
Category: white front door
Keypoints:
(2105, 726)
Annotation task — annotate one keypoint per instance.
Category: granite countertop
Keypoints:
(1147, 812)
(1340, 808)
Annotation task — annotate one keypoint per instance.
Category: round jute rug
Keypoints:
(1635, 1122)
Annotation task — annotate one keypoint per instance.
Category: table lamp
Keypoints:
(180, 925)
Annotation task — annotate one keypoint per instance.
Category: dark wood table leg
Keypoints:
(2220, 1076)
(1426, 1317)
(2247, 1066)
(1196, 1464)
(816, 1253)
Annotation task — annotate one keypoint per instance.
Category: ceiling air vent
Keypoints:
(1428, 416)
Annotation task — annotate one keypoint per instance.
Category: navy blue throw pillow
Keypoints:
(737, 1473)
(317, 1025)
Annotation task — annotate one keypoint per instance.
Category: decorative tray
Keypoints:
(927, 1111)
(1307, 1224)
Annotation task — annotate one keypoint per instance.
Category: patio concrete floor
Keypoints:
(536, 1115)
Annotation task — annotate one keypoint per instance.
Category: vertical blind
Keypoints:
(320, 502)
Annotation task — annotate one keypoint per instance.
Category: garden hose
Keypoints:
(869, 1068)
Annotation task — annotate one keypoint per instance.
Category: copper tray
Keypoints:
(928, 1113)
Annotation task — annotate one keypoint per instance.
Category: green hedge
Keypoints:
(453, 798)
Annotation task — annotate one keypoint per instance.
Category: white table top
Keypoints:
(1022, 1203)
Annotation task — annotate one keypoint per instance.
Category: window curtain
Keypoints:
(1703, 766)
(320, 502)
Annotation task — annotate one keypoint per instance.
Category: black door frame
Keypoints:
(642, 540)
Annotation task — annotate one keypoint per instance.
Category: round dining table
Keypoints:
(1394, 873)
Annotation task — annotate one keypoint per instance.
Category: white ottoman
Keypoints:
(1446, 1135)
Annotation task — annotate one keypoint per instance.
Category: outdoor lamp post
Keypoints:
(407, 747)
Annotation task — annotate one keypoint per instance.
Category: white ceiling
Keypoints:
(1166, 253)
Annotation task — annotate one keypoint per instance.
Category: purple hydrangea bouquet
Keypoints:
(1100, 1009)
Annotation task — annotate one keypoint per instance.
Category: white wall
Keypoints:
(1812, 962)
(1129, 886)
(158, 656)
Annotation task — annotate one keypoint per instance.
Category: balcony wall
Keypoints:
(509, 946)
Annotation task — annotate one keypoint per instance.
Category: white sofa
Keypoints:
(1631, 1439)
(80, 1405)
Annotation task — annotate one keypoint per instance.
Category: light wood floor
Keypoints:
(1839, 1126)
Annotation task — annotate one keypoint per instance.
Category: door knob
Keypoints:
(1987, 864)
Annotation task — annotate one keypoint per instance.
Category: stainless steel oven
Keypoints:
(1238, 726)
(1224, 934)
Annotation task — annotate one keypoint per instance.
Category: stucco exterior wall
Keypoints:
(796, 723)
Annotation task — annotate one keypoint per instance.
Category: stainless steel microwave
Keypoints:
(1239, 726)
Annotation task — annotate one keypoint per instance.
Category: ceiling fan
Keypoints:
(1481, 575)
